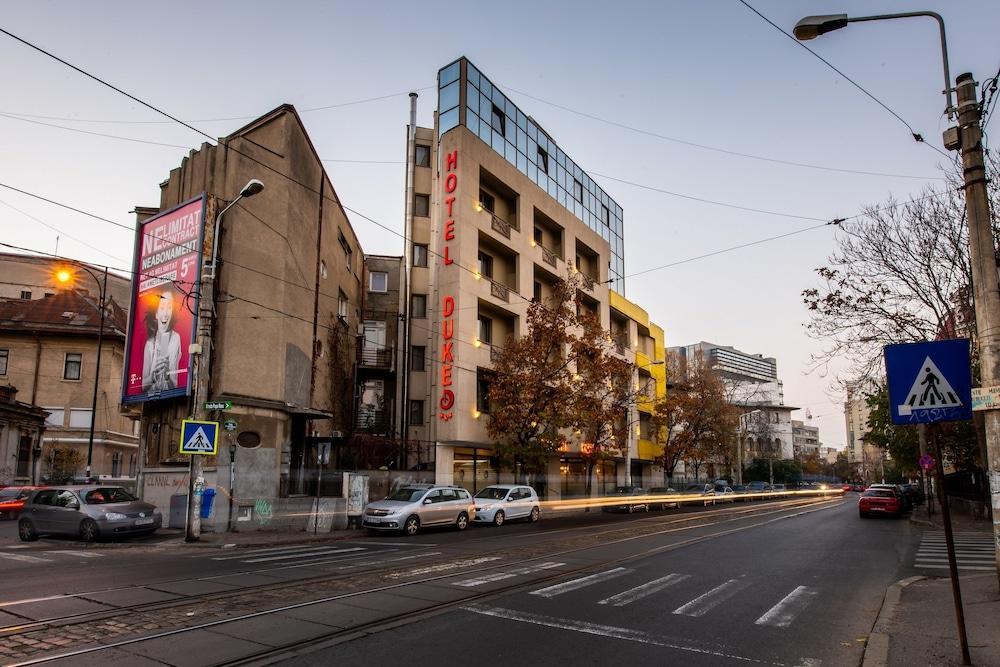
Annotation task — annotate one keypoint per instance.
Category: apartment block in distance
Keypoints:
(497, 213)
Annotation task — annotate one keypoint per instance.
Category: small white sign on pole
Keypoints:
(986, 398)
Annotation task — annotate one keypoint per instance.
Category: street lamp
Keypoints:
(64, 276)
(203, 380)
(812, 27)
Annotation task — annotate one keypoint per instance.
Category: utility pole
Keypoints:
(984, 274)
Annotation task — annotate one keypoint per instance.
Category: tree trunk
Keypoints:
(590, 476)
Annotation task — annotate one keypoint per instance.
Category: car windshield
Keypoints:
(108, 495)
(407, 494)
(9, 493)
(492, 493)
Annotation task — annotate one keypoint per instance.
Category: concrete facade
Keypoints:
(856, 415)
(805, 439)
(48, 349)
(287, 300)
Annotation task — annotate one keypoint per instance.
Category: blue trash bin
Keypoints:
(207, 500)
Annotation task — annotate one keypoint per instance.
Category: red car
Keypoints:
(845, 487)
(12, 500)
(880, 501)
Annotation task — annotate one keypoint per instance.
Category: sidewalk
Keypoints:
(917, 626)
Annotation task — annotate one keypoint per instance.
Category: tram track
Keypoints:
(275, 597)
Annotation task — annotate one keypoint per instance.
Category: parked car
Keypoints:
(706, 491)
(914, 492)
(415, 506)
(859, 488)
(724, 494)
(90, 512)
(662, 504)
(880, 501)
(758, 487)
(629, 506)
(846, 487)
(905, 498)
(12, 500)
(741, 492)
(504, 502)
(778, 488)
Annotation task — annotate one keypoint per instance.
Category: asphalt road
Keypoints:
(798, 591)
(767, 583)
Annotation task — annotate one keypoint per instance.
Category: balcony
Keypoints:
(372, 421)
(495, 353)
(548, 256)
(588, 282)
(375, 357)
(501, 292)
(499, 225)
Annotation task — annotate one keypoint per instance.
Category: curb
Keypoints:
(877, 647)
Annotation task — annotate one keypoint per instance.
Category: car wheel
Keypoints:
(411, 526)
(89, 532)
(630, 509)
(533, 517)
(497, 518)
(26, 531)
(462, 522)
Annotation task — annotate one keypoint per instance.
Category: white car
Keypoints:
(503, 502)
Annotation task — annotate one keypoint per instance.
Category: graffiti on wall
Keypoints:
(263, 511)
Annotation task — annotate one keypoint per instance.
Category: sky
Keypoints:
(709, 73)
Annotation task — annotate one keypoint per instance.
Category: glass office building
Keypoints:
(467, 97)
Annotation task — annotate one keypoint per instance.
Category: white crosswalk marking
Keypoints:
(322, 552)
(639, 592)
(706, 602)
(973, 551)
(510, 574)
(78, 554)
(574, 584)
(782, 614)
(277, 550)
(24, 558)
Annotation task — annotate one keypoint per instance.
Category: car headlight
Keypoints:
(484, 508)
(114, 516)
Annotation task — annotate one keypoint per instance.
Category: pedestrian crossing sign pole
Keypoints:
(929, 382)
(198, 437)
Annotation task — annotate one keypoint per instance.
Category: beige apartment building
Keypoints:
(497, 213)
(856, 415)
(287, 299)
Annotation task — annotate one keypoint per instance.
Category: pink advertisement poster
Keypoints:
(163, 314)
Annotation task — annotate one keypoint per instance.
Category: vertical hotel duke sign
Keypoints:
(447, 401)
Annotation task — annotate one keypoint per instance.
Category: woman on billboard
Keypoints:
(162, 353)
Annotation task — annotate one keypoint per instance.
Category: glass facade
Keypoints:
(491, 116)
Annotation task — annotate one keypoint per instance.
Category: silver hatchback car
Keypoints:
(410, 508)
(90, 512)
(503, 502)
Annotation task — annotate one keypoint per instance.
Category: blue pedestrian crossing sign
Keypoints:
(929, 382)
(199, 437)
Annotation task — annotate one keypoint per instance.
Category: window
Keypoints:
(116, 465)
(423, 156)
(374, 336)
(605, 216)
(485, 265)
(418, 305)
(485, 329)
(578, 190)
(482, 392)
(378, 281)
(538, 235)
(418, 354)
(347, 250)
(71, 366)
(56, 417)
(543, 160)
(4, 356)
(419, 255)
(497, 121)
(422, 205)
(536, 291)
(25, 294)
(416, 413)
(488, 201)
(79, 418)
(131, 465)
(341, 305)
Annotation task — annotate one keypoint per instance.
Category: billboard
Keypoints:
(163, 316)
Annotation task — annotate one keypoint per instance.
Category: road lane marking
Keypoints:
(443, 567)
(24, 558)
(639, 592)
(311, 554)
(960, 567)
(624, 634)
(706, 602)
(582, 582)
(79, 554)
(510, 574)
(782, 614)
(296, 551)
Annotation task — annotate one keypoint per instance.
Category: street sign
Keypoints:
(229, 424)
(199, 437)
(929, 382)
(218, 405)
(927, 462)
(985, 398)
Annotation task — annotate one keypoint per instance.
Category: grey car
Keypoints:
(412, 507)
(89, 512)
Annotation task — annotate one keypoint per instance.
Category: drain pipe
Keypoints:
(411, 158)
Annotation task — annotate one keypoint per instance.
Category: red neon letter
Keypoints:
(451, 161)
(449, 230)
(448, 202)
(447, 399)
(447, 257)
(446, 375)
(448, 306)
(450, 183)
(446, 355)
(447, 329)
